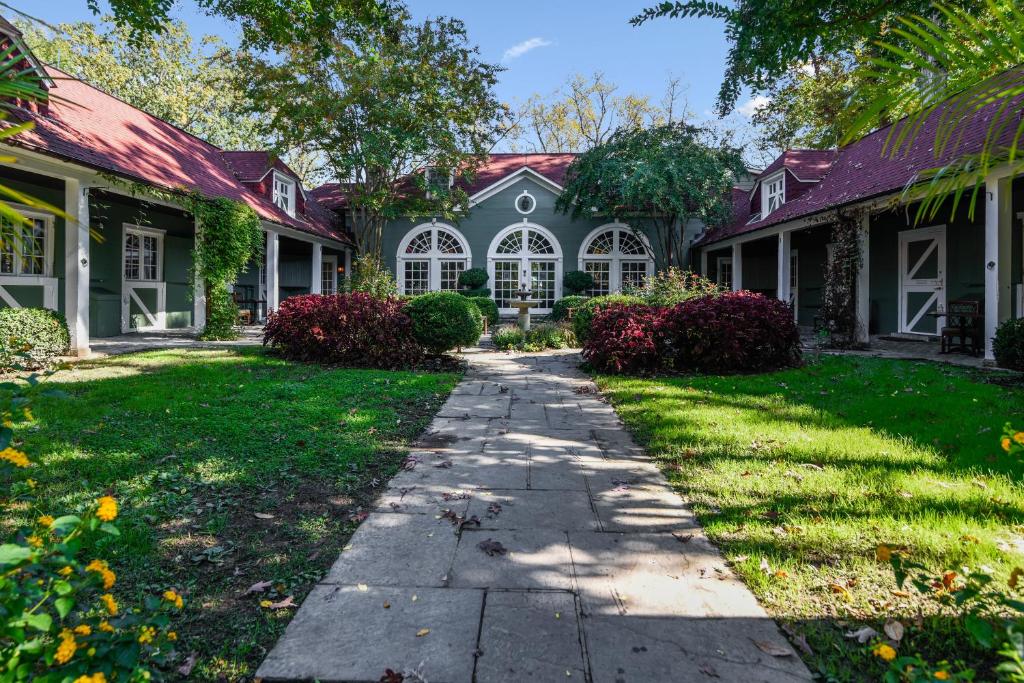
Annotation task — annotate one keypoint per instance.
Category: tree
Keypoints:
(166, 74)
(584, 112)
(665, 175)
(769, 37)
(388, 108)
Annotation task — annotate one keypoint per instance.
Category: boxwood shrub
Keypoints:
(560, 311)
(585, 313)
(1008, 344)
(577, 281)
(480, 291)
(32, 338)
(487, 307)
(473, 278)
(442, 321)
(354, 330)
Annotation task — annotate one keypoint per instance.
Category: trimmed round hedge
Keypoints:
(474, 278)
(560, 311)
(442, 321)
(487, 307)
(584, 315)
(1008, 344)
(577, 281)
(32, 338)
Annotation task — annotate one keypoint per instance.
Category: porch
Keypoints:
(133, 342)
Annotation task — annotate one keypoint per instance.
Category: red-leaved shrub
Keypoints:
(732, 332)
(354, 330)
(623, 339)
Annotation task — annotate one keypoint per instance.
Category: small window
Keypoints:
(142, 252)
(724, 272)
(525, 203)
(23, 247)
(329, 275)
(774, 193)
(284, 193)
(438, 181)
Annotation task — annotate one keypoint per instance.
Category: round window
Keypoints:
(525, 203)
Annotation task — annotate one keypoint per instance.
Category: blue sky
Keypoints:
(543, 42)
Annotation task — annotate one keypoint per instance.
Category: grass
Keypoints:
(194, 444)
(810, 469)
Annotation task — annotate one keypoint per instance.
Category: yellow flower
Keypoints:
(31, 483)
(83, 630)
(35, 541)
(97, 677)
(106, 627)
(66, 571)
(101, 568)
(1005, 443)
(1019, 438)
(942, 675)
(15, 457)
(173, 598)
(266, 603)
(171, 635)
(110, 603)
(146, 635)
(884, 651)
(67, 647)
(45, 520)
(107, 511)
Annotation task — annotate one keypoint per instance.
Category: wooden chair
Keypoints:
(963, 326)
(244, 313)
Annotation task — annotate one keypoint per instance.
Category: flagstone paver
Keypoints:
(530, 538)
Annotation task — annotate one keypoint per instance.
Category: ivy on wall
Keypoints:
(839, 302)
(228, 237)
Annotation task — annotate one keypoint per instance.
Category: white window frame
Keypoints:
(129, 287)
(533, 202)
(143, 231)
(48, 236)
(286, 187)
(333, 261)
(434, 256)
(427, 180)
(719, 262)
(525, 258)
(616, 258)
(772, 187)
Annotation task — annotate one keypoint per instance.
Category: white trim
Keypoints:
(49, 285)
(289, 184)
(616, 258)
(316, 265)
(737, 267)
(766, 192)
(48, 239)
(76, 263)
(719, 262)
(525, 258)
(271, 260)
(157, 319)
(333, 260)
(908, 284)
(434, 256)
(533, 205)
(512, 179)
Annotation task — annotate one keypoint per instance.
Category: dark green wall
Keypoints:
(810, 247)
(51, 191)
(761, 266)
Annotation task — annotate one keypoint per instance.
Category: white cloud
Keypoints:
(750, 107)
(520, 49)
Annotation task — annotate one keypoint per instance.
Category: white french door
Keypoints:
(143, 290)
(922, 263)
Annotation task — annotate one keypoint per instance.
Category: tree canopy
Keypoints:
(381, 106)
(666, 175)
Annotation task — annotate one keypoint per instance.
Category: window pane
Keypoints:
(506, 282)
(327, 277)
(450, 271)
(150, 253)
(447, 243)
(633, 274)
(603, 244)
(542, 282)
(630, 244)
(420, 244)
(33, 249)
(417, 277)
(539, 244)
(131, 256)
(7, 247)
(600, 271)
(512, 243)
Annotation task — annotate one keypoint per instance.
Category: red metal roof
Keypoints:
(88, 126)
(251, 165)
(861, 171)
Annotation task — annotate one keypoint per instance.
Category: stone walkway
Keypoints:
(529, 538)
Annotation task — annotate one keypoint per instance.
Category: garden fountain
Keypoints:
(524, 304)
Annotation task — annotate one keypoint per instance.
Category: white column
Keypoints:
(863, 292)
(737, 267)
(704, 262)
(316, 285)
(348, 269)
(76, 264)
(273, 283)
(784, 265)
(998, 221)
(198, 295)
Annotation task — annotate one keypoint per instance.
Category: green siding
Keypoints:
(761, 266)
(51, 191)
(810, 247)
(496, 213)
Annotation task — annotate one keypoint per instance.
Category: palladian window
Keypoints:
(617, 258)
(431, 258)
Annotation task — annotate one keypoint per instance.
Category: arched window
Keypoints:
(525, 254)
(430, 258)
(616, 257)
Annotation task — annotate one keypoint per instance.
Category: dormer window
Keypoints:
(437, 180)
(284, 193)
(773, 193)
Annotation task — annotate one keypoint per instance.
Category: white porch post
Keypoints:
(863, 292)
(785, 263)
(76, 264)
(998, 223)
(737, 267)
(704, 262)
(198, 295)
(348, 268)
(316, 285)
(272, 272)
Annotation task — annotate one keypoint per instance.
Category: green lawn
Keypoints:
(810, 469)
(194, 444)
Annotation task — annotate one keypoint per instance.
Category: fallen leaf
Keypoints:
(444, 464)
(287, 603)
(839, 590)
(258, 587)
(392, 676)
(683, 538)
(492, 547)
(387, 605)
(263, 515)
(422, 632)
(708, 670)
(862, 635)
(772, 649)
(190, 663)
(363, 587)
(894, 630)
